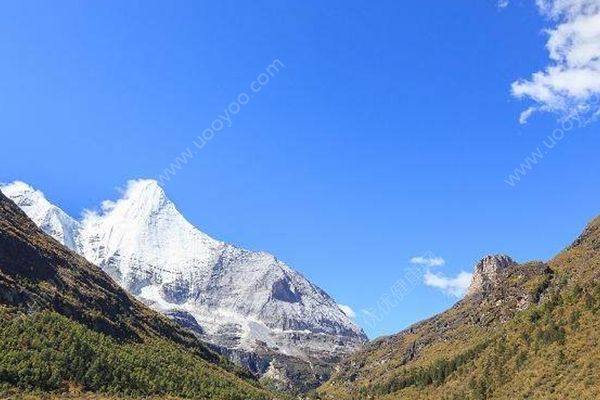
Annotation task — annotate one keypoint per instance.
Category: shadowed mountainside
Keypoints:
(249, 306)
(66, 326)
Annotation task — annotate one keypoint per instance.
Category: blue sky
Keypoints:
(388, 133)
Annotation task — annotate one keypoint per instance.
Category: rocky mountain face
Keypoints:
(487, 274)
(522, 331)
(65, 325)
(249, 305)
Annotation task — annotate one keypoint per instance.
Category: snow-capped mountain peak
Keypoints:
(144, 195)
(32, 201)
(239, 299)
(47, 216)
(143, 239)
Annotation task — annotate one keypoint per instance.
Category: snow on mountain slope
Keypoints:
(47, 216)
(142, 239)
(241, 299)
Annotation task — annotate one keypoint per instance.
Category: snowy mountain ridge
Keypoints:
(237, 299)
(47, 216)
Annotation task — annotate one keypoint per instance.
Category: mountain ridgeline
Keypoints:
(66, 326)
(523, 331)
(247, 305)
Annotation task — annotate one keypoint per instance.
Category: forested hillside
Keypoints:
(65, 326)
(531, 332)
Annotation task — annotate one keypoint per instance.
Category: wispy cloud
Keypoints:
(571, 80)
(347, 310)
(503, 3)
(456, 286)
(428, 261)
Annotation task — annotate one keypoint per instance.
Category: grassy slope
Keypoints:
(65, 324)
(495, 348)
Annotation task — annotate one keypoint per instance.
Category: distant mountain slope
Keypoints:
(524, 331)
(65, 325)
(240, 301)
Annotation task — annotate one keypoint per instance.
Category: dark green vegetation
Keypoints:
(65, 326)
(534, 335)
(50, 352)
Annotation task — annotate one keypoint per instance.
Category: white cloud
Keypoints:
(503, 3)
(428, 261)
(456, 286)
(570, 84)
(347, 310)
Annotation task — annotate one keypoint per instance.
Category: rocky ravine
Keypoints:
(248, 305)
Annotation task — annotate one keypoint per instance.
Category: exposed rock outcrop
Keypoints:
(487, 273)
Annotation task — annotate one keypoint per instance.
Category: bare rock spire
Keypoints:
(487, 273)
